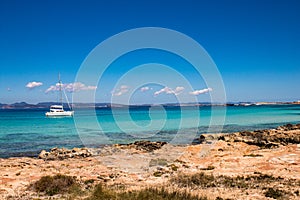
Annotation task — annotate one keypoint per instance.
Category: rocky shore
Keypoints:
(263, 164)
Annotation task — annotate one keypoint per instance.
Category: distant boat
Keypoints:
(58, 110)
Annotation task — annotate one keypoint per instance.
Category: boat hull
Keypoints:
(59, 114)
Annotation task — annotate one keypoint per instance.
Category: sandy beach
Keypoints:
(244, 165)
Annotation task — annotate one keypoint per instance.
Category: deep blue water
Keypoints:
(26, 132)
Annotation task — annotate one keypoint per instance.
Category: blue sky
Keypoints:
(254, 43)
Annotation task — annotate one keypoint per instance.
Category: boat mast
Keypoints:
(60, 93)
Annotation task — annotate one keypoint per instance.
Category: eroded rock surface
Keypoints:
(146, 146)
(63, 153)
(283, 135)
(242, 169)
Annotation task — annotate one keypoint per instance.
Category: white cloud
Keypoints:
(33, 84)
(168, 90)
(203, 91)
(144, 89)
(178, 90)
(71, 87)
(122, 90)
(52, 88)
(77, 86)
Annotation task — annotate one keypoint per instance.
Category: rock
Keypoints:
(238, 170)
(148, 146)
(207, 138)
(43, 154)
(54, 149)
(202, 139)
(283, 135)
(143, 145)
(63, 153)
(289, 127)
(75, 149)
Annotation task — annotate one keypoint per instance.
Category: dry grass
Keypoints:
(267, 184)
(101, 192)
(71, 189)
(180, 187)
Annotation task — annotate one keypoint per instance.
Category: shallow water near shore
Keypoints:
(26, 132)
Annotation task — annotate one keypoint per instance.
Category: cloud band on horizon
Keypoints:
(71, 87)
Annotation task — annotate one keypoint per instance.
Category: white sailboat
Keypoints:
(58, 110)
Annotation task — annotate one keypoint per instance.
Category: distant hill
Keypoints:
(22, 105)
(46, 105)
(18, 105)
(2, 105)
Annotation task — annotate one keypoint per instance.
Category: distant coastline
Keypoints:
(44, 105)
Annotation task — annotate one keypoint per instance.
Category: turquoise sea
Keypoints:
(26, 132)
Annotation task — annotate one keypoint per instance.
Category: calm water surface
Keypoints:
(26, 132)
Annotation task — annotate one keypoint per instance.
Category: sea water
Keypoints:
(26, 132)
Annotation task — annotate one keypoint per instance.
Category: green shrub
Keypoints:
(173, 167)
(158, 173)
(57, 184)
(89, 181)
(274, 193)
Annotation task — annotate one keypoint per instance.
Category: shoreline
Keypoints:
(34, 154)
(272, 154)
